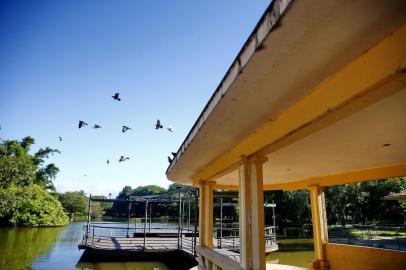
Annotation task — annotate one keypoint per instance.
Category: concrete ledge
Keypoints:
(350, 257)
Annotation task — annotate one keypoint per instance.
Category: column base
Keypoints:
(320, 265)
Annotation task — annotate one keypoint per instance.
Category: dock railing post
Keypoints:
(179, 219)
(129, 218)
(196, 218)
(88, 218)
(188, 220)
(273, 221)
(150, 217)
(145, 224)
(221, 221)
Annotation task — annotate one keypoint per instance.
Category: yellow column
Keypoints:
(252, 226)
(320, 235)
(206, 214)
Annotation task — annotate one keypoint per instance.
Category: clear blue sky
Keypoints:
(60, 61)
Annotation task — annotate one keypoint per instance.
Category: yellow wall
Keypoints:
(348, 257)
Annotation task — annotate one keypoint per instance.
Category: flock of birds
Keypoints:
(124, 129)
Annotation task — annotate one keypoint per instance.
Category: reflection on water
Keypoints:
(298, 252)
(54, 248)
(19, 247)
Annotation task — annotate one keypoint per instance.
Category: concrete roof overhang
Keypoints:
(296, 46)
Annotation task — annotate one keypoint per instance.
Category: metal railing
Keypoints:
(372, 236)
(228, 236)
(140, 236)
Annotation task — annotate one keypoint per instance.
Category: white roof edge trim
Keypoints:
(267, 22)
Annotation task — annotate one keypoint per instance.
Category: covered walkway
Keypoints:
(315, 98)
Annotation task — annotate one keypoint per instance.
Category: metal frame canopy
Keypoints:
(311, 92)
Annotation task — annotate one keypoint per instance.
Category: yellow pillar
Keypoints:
(206, 214)
(320, 235)
(252, 225)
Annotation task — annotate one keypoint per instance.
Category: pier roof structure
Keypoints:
(316, 97)
(288, 95)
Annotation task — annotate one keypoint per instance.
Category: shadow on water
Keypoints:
(173, 259)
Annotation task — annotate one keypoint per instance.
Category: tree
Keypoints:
(75, 203)
(148, 190)
(119, 208)
(175, 186)
(100, 208)
(18, 166)
(30, 206)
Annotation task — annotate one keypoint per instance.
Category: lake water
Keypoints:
(297, 252)
(56, 248)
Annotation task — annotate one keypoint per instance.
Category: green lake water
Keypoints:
(297, 252)
(56, 248)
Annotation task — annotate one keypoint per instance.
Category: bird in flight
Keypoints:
(108, 161)
(170, 129)
(60, 138)
(158, 124)
(123, 158)
(169, 159)
(85, 175)
(82, 124)
(116, 97)
(96, 126)
(125, 128)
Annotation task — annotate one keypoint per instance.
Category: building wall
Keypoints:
(348, 257)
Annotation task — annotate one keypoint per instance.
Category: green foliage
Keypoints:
(18, 171)
(19, 167)
(148, 190)
(101, 207)
(362, 202)
(74, 203)
(292, 208)
(175, 186)
(24, 179)
(30, 206)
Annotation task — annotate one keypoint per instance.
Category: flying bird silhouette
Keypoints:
(125, 128)
(170, 129)
(158, 124)
(123, 158)
(116, 97)
(108, 161)
(96, 126)
(60, 138)
(82, 124)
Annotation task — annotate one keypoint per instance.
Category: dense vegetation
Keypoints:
(28, 197)
(138, 210)
(356, 203)
(25, 182)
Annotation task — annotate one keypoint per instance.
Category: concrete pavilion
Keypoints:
(316, 97)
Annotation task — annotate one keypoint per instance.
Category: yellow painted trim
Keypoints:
(202, 214)
(381, 64)
(377, 173)
(226, 187)
(209, 233)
